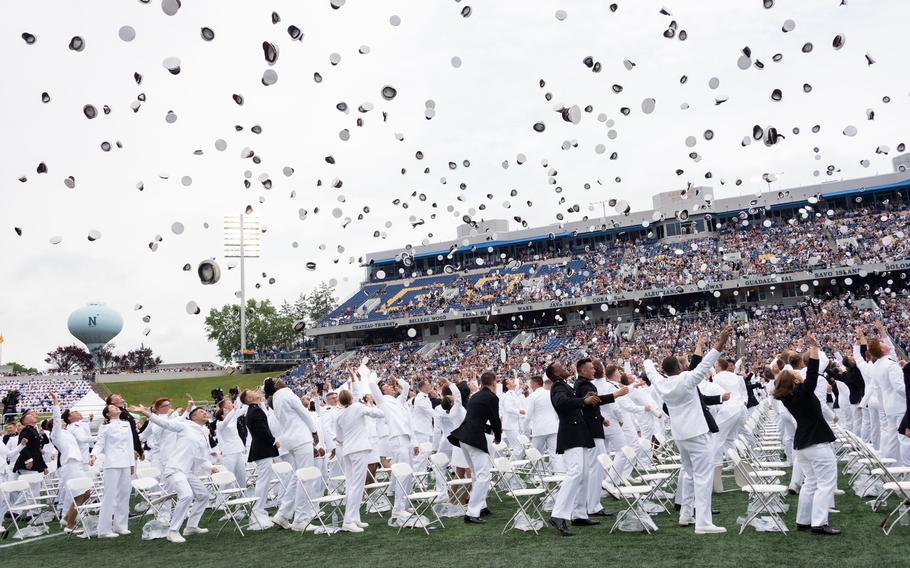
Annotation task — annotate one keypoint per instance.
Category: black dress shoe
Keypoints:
(485, 512)
(715, 512)
(473, 520)
(677, 506)
(801, 527)
(825, 529)
(560, 525)
(584, 523)
(601, 513)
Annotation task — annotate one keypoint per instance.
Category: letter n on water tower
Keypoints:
(92, 321)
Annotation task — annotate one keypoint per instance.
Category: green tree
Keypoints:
(141, 359)
(266, 328)
(69, 358)
(20, 369)
(319, 302)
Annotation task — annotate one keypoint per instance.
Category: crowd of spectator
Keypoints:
(739, 247)
(762, 332)
(33, 392)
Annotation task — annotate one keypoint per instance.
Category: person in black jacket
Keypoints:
(594, 420)
(481, 418)
(572, 440)
(30, 459)
(263, 448)
(811, 444)
(117, 400)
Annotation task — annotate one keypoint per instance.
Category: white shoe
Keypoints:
(792, 488)
(838, 491)
(686, 521)
(833, 510)
(710, 529)
(174, 536)
(281, 521)
(124, 532)
(108, 535)
(351, 528)
(362, 524)
(194, 530)
(301, 527)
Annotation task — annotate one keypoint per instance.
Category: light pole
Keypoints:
(241, 240)
(603, 206)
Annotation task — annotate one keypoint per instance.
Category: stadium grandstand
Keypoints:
(689, 250)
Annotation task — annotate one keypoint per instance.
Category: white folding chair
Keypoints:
(40, 491)
(422, 478)
(527, 499)
(420, 501)
(457, 486)
(234, 507)
(763, 497)
(631, 495)
(539, 471)
(284, 476)
(327, 504)
(21, 503)
(149, 489)
(77, 487)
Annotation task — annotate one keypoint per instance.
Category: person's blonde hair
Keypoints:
(345, 398)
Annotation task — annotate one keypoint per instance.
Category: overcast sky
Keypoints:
(485, 110)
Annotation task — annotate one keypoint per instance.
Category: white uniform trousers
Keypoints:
(614, 440)
(546, 445)
(355, 475)
(890, 446)
(236, 464)
(115, 504)
(190, 491)
(264, 475)
(294, 502)
(727, 432)
(400, 449)
(510, 437)
(871, 426)
(817, 494)
(443, 447)
(698, 462)
(479, 463)
(420, 462)
(567, 499)
(593, 473)
(845, 416)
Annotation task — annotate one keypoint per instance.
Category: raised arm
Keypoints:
(704, 367)
(808, 387)
(405, 389)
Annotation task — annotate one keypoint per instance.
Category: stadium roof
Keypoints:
(668, 203)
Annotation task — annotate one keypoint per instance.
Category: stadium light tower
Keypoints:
(242, 236)
(603, 207)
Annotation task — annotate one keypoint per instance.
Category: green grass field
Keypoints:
(862, 544)
(145, 392)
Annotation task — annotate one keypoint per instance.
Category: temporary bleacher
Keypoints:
(342, 359)
(427, 350)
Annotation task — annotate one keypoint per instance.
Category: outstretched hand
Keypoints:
(723, 338)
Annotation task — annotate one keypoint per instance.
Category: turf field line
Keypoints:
(33, 539)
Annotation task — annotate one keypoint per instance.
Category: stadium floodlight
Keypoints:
(603, 206)
(242, 239)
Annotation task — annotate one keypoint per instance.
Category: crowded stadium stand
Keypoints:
(690, 250)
